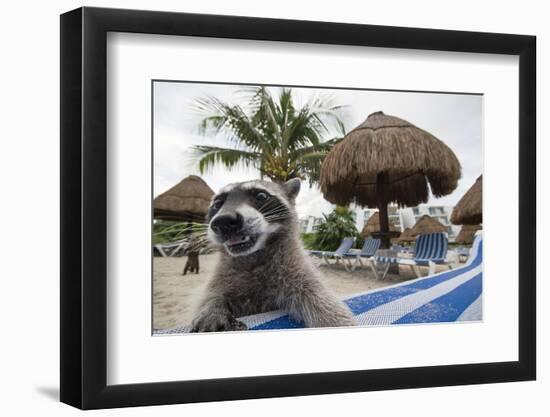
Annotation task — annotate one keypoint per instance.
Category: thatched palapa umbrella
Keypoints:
(387, 159)
(406, 236)
(469, 209)
(373, 225)
(427, 224)
(467, 234)
(187, 201)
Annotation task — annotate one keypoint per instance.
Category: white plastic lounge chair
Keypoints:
(338, 254)
(397, 248)
(367, 252)
(463, 254)
(170, 249)
(430, 250)
(448, 296)
(407, 250)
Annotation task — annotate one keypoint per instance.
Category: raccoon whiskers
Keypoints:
(276, 217)
(275, 211)
(272, 204)
(268, 203)
(199, 242)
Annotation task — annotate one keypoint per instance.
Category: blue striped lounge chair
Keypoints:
(370, 246)
(430, 250)
(338, 254)
(448, 296)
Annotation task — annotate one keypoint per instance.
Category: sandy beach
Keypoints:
(175, 295)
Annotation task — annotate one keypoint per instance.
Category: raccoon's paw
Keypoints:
(348, 321)
(343, 317)
(217, 323)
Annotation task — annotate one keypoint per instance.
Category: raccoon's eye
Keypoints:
(261, 196)
(217, 204)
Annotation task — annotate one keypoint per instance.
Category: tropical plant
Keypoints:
(166, 231)
(340, 223)
(270, 134)
(170, 231)
(308, 239)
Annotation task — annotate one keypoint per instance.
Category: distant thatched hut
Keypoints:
(373, 225)
(186, 201)
(427, 224)
(406, 236)
(467, 234)
(387, 159)
(469, 209)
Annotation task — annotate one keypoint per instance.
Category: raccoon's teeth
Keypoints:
(238, 240)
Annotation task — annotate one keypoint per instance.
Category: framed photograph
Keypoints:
(258, 208)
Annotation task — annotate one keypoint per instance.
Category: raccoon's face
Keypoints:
(242, 216)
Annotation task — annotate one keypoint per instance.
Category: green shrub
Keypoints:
(308, 239)
(340, 223)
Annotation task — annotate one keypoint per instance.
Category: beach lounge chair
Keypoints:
(398, 248)
(370, 246)
(430, 250)
(338, 254)
(170, 249)
(463, 254)
(448, 296)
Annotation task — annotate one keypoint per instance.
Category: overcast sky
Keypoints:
(456, 119)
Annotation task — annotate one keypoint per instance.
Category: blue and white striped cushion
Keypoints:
(344, 247)
(369, 249)
(387, 259)
(431, 247)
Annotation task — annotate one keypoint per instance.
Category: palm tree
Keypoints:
(270, 134)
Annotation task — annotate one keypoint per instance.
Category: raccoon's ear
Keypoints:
(292, 188)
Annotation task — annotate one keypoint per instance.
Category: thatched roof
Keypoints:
(410, 158)
(406, 236)
(373, 225)
(469, 209)
(186, 201)
(467, 234)
(427, 224)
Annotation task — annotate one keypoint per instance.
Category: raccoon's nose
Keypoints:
(227, 224)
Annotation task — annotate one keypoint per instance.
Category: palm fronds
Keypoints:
(269, 133)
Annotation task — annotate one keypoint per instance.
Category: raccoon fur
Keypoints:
(263, 265)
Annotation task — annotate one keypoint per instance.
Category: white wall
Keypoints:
(29, 172)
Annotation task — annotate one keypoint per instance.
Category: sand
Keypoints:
(175, 296)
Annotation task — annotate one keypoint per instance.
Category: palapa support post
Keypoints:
(382, 199)
(383, 209)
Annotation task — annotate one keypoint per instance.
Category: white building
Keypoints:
(310, 224)
(407, 217)
(442, 214)
(362, 216)
(400, 218)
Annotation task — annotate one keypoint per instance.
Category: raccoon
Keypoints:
(263, 265)
(192, 264)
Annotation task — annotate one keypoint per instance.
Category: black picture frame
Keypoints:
(84, 207)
